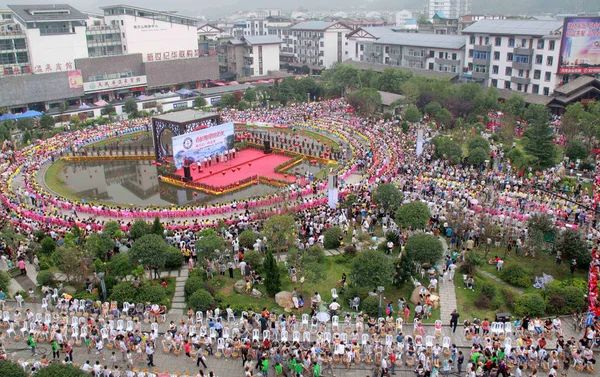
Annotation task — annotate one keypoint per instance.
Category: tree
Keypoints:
(74, 263)
(448, 149)
(61, 370)
(108, 109)
(412, 114)
(250, 95)
(272, 278)
(432, 109)
(243, 105)
(227, 100)
(444, 117)
(280, 231)
(477, 156)
(75, 120)
(47, 122)
(209, 241)
(514, 104)
(366, 101)
(391, 80)
(138, 229)
(414, 215)
(130, 108)
(157, 227)
(371, 269)
(540, 144)
(405, 270)
(576, 150)
(26, 138)
(199, 102)
(47, 245)
(111, 229)
(99, 244)
(4, 132)
(424, 248)
(535, 113)
(539, 227)
(25, 124)
(572, 246)
(149, 251)
(479, 142)
(388, 196)
(12, 369)
(63, 107)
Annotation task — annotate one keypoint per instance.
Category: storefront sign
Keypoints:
(110, 84)
(180, 105)
(172, 55)
(75, 79)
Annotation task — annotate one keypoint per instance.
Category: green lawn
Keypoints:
(310, 134)
(335, 266)
(465, 298)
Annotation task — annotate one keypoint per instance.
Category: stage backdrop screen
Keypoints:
(580, 47)
(192, 147)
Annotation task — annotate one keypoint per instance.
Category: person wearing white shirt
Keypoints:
(86, 367)
(334, 307)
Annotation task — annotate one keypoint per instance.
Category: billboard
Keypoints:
(192, 147)
(580, 47)
(75, 79)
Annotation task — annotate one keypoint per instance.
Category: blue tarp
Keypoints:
(7, 116)
(184, 92)
(28, 114)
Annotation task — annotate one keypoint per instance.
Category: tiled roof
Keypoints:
(171, 72)
(386, 35)
(388, 98)
(262, 39)
(574, 85)
(513, 27)
(19, 90)
(381, 67)
(313, 25)
(110, 64)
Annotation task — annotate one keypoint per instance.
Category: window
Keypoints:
(524, 43)
(472, 40)
(441, 55)
(470, 53)
(549, 60)
(511, 42)
(454, 56)
(539, 59)
(508, 71)
(537, 74)
(362, 47)
(20, 44)
(487, 41)
(498, 41)
(506, 84)
(521, 73)
(551, 45)
(540, 44)
(509, 57)
(521, 59)
(495, 69)
(535, 89)
(547, 76)
(431, 66)
(546, 91)
(494, 83)
(431, 54)
(496, 55)
(520, 87)
(481, 55)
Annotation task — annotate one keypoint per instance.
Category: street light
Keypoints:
(380, 289)
(103, 284)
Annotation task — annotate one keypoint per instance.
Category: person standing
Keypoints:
(454, 320)
(201, 359)
(21, 265)
(150, 354)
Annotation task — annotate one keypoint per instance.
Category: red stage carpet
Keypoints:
(249, 162)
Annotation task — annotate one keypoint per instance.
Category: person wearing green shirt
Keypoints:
(298, 369)
(475, 357)
(278, 369)
(55, 350)
(265, 367)
(31, 343)
(316, 370)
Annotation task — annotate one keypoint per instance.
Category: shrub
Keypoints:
(47, 246)
(483, 302)
(174, 259)
(572, 297)
(45, 262)
(393, 236)
(99, 266)
(467, 268)
(350, 251)
(350, 293)
(474, 258)
(61, 370)
(370, 305)
(192, 284)
(123, 292)
(45, 278)
(151, 293)
(5, 281)
(556, 304)
(254, 259)
(487, 289)
(12, 369)
(201, 300)
(331, 237)
(509, 297)
(530, 304)
(515, 275)
(497, 302)
(39, 235)
(248, 238)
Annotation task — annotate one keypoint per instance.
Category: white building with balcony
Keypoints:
(319, 44)
(433, 52)
(520, 55)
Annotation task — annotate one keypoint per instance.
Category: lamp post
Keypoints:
(103, 285)
(380, 289)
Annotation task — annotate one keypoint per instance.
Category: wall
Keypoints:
(57, 52)
(157, 40)
(270, 59)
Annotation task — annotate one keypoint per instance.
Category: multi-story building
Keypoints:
(53, 36)
(319, 44)
(450, 8)
(403, 16)
(442, 53)
(250, 56)
(521, 55)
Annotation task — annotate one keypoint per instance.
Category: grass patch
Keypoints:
(54, 181)
(117, 139)
(465, 298)
(310, 134)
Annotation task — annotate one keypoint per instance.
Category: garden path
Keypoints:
(447, 291)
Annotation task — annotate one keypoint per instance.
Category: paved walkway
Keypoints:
(447, 293)
(500, 281)
(178, 298)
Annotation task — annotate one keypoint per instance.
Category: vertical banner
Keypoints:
(580, 46)
(419, 142)
(75, 79)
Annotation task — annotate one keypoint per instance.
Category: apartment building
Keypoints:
(450, 8)
(442, 53)
(520, 55)
(319, 44)
(250, 56)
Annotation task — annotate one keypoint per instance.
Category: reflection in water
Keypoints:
(136, 182)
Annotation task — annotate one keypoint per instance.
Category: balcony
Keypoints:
(112, 29)
(480, 75)
(481, 61)
(521, 65)
(523, 51)
(520, 80)
(11, 34)
(485, 48)
(415, 58)
(441, 61)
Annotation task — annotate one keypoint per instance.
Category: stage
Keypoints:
(248, 163)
